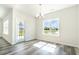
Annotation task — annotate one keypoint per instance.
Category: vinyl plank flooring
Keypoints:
(16, 48)
(35, 48)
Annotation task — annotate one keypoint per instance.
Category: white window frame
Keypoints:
(51, 34)
(5, 26)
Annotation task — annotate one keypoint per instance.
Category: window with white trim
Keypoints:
(51, 26)
(5, 27)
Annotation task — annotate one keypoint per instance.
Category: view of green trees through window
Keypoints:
(51, 26)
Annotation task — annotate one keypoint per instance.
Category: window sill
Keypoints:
(50, 34)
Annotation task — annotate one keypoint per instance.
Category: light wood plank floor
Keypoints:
(35, 47)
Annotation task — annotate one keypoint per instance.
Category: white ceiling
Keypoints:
(3, 11)
(34, 9)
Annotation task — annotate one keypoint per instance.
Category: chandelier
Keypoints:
(40, 14)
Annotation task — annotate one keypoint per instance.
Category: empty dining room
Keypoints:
(39, 29)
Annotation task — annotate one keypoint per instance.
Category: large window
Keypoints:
(51, 26)
(5, 27)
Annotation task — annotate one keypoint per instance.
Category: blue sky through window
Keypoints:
(53, 23)
(46, 23)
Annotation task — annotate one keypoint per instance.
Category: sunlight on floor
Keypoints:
(51, 45)
(45, 46)
(39, 44)
(48, 49)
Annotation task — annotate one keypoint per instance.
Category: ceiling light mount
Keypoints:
(40, 14)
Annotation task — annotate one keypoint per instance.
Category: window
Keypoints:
(21, 30)
(5, 27)
(51, 26)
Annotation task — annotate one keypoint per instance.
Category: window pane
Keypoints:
(51, 26)
(54, 26)
(5, 27)
(46, 26)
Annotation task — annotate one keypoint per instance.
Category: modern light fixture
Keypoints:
(40, 14)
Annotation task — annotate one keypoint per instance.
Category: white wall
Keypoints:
(14, 16)
(4, 11)
(8, 37)
(1, 28)
(78, 22)
(29, 21)
(68, 27)
(77, 49)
